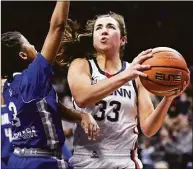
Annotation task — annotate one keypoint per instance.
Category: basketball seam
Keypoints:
(170, 52)
(171, 67)
(162, 92)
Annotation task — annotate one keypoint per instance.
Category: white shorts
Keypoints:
(118, 161)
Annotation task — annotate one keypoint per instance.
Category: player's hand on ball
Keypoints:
(136, 69)
(181, 90)
(90, 126)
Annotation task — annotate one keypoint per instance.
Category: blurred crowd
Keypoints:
(170, 148)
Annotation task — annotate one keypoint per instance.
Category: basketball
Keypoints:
(168, 72)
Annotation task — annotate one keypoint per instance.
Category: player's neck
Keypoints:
(110, 65)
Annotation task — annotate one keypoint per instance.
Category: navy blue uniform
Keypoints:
(36, 120)
(6, 136)
(66, 152)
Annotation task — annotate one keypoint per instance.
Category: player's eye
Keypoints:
(111, 26)
(97, 28)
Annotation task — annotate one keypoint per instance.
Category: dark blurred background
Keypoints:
(149, 24)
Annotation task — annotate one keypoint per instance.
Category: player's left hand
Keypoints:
(90, 126)
(181, 90)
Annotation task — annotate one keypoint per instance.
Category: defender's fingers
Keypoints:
(90, 126)
(98, 130)
(85, 127)
(94, 132)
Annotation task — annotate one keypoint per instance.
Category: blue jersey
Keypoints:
(6, 134)
(33, 102)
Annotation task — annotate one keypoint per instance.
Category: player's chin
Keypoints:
(104, 48)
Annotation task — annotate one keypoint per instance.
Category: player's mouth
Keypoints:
(104, 39)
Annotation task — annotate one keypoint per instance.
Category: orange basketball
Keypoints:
(168, 71)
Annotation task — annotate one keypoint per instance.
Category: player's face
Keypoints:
(28, 49)
(107, 35)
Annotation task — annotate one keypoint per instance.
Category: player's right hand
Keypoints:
(136, 68)
(90, 126)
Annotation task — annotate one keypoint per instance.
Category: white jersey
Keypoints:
(116, 116)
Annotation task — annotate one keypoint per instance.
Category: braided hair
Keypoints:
(11, 45)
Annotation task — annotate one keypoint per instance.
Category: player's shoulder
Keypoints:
(40, 58)
(79, 62)
(40, 66)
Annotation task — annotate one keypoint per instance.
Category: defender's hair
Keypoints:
(11, 46)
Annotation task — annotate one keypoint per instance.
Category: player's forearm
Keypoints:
(56, 31)
(70, 115)
(94, 93)
(60, 15)
(154, 122)
(2, 100)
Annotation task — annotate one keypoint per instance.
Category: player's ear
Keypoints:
(123, 40)
(23, 55)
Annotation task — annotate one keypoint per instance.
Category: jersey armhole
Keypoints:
(90, 67)
(74, 105)
(135, 87)
(136, 91)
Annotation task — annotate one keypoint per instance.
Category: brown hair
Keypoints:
(79, 44)
(76, 43)
(117, 17)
